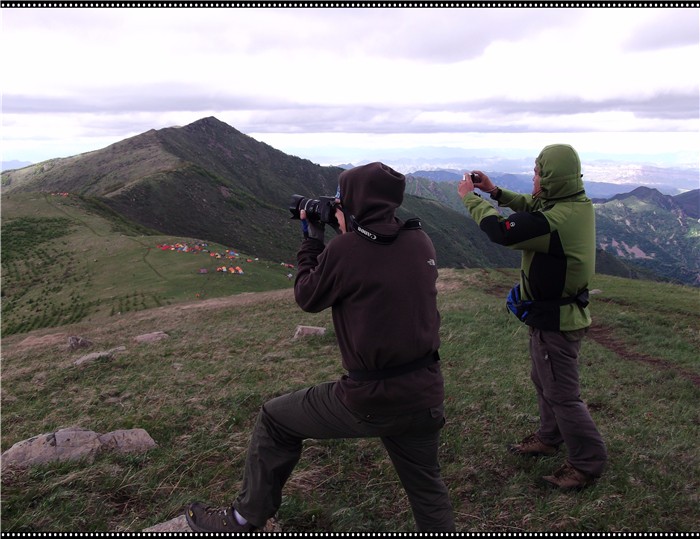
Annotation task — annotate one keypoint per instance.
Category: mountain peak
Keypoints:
(648, 194)
(211, 123)
(210, 120)
(645, 192)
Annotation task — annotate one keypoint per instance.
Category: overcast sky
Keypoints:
(329, 84)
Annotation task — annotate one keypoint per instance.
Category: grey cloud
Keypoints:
(490, 116)
(453, 35)
(165, 97)
(147, 98)
(439, 35)
(669, 28)
(280, 116)
(388, 125)
(664, 106)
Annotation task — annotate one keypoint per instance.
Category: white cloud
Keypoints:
(76, 80)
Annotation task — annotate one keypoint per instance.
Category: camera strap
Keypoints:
(390, 372)
(382, 239)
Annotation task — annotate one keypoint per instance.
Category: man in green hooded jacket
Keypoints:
(554, 227)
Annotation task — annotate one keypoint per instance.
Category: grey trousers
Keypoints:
(284, 422)
(564, 417)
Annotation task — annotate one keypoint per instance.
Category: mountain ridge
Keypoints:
(208, 180)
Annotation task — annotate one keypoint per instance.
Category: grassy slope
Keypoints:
(71, 258)
(198, 393)
(77, 261)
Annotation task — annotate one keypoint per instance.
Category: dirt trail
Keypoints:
(42, 338)
(604, 337)
(245, 298)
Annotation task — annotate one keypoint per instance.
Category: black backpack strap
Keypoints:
(524, 308)
(581, 298)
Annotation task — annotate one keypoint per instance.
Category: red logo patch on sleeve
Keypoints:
(509, 225)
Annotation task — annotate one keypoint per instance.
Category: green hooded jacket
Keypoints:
(555, 232)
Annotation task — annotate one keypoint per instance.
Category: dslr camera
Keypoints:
(321, 209)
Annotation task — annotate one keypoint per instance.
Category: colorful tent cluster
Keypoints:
(184, 247)
(231, 269)
(198, 248)
(226, 254)
(229, 254)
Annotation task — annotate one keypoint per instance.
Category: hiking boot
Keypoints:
(568, 478)
(534, 447)
(214, 519)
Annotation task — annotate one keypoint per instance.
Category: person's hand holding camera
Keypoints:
(473, 179)
(466, 186)
(314, 229)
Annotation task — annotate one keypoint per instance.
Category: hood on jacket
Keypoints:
(560, 172)
(371, 193)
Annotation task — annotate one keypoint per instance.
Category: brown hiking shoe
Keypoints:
(568, 478)
(534, 447)
(214, 519)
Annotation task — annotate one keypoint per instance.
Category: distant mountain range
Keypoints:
(652, 232)
(604, 178)
(657, 232)
(211, 182)
(675, 181)
(10, 165)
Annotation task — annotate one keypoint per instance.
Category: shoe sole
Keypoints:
(191, 523)
(193, 526)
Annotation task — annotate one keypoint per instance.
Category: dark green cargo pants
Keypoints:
(284, 422)
(564, 417)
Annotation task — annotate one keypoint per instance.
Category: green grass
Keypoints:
(79, 261)
(198, 393)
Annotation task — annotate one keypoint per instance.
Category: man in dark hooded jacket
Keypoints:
(555, 230)
(379, 280)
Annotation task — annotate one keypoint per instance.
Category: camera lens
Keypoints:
(309, 205)
(322, 210)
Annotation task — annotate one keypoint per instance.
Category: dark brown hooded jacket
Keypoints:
(383, 296)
